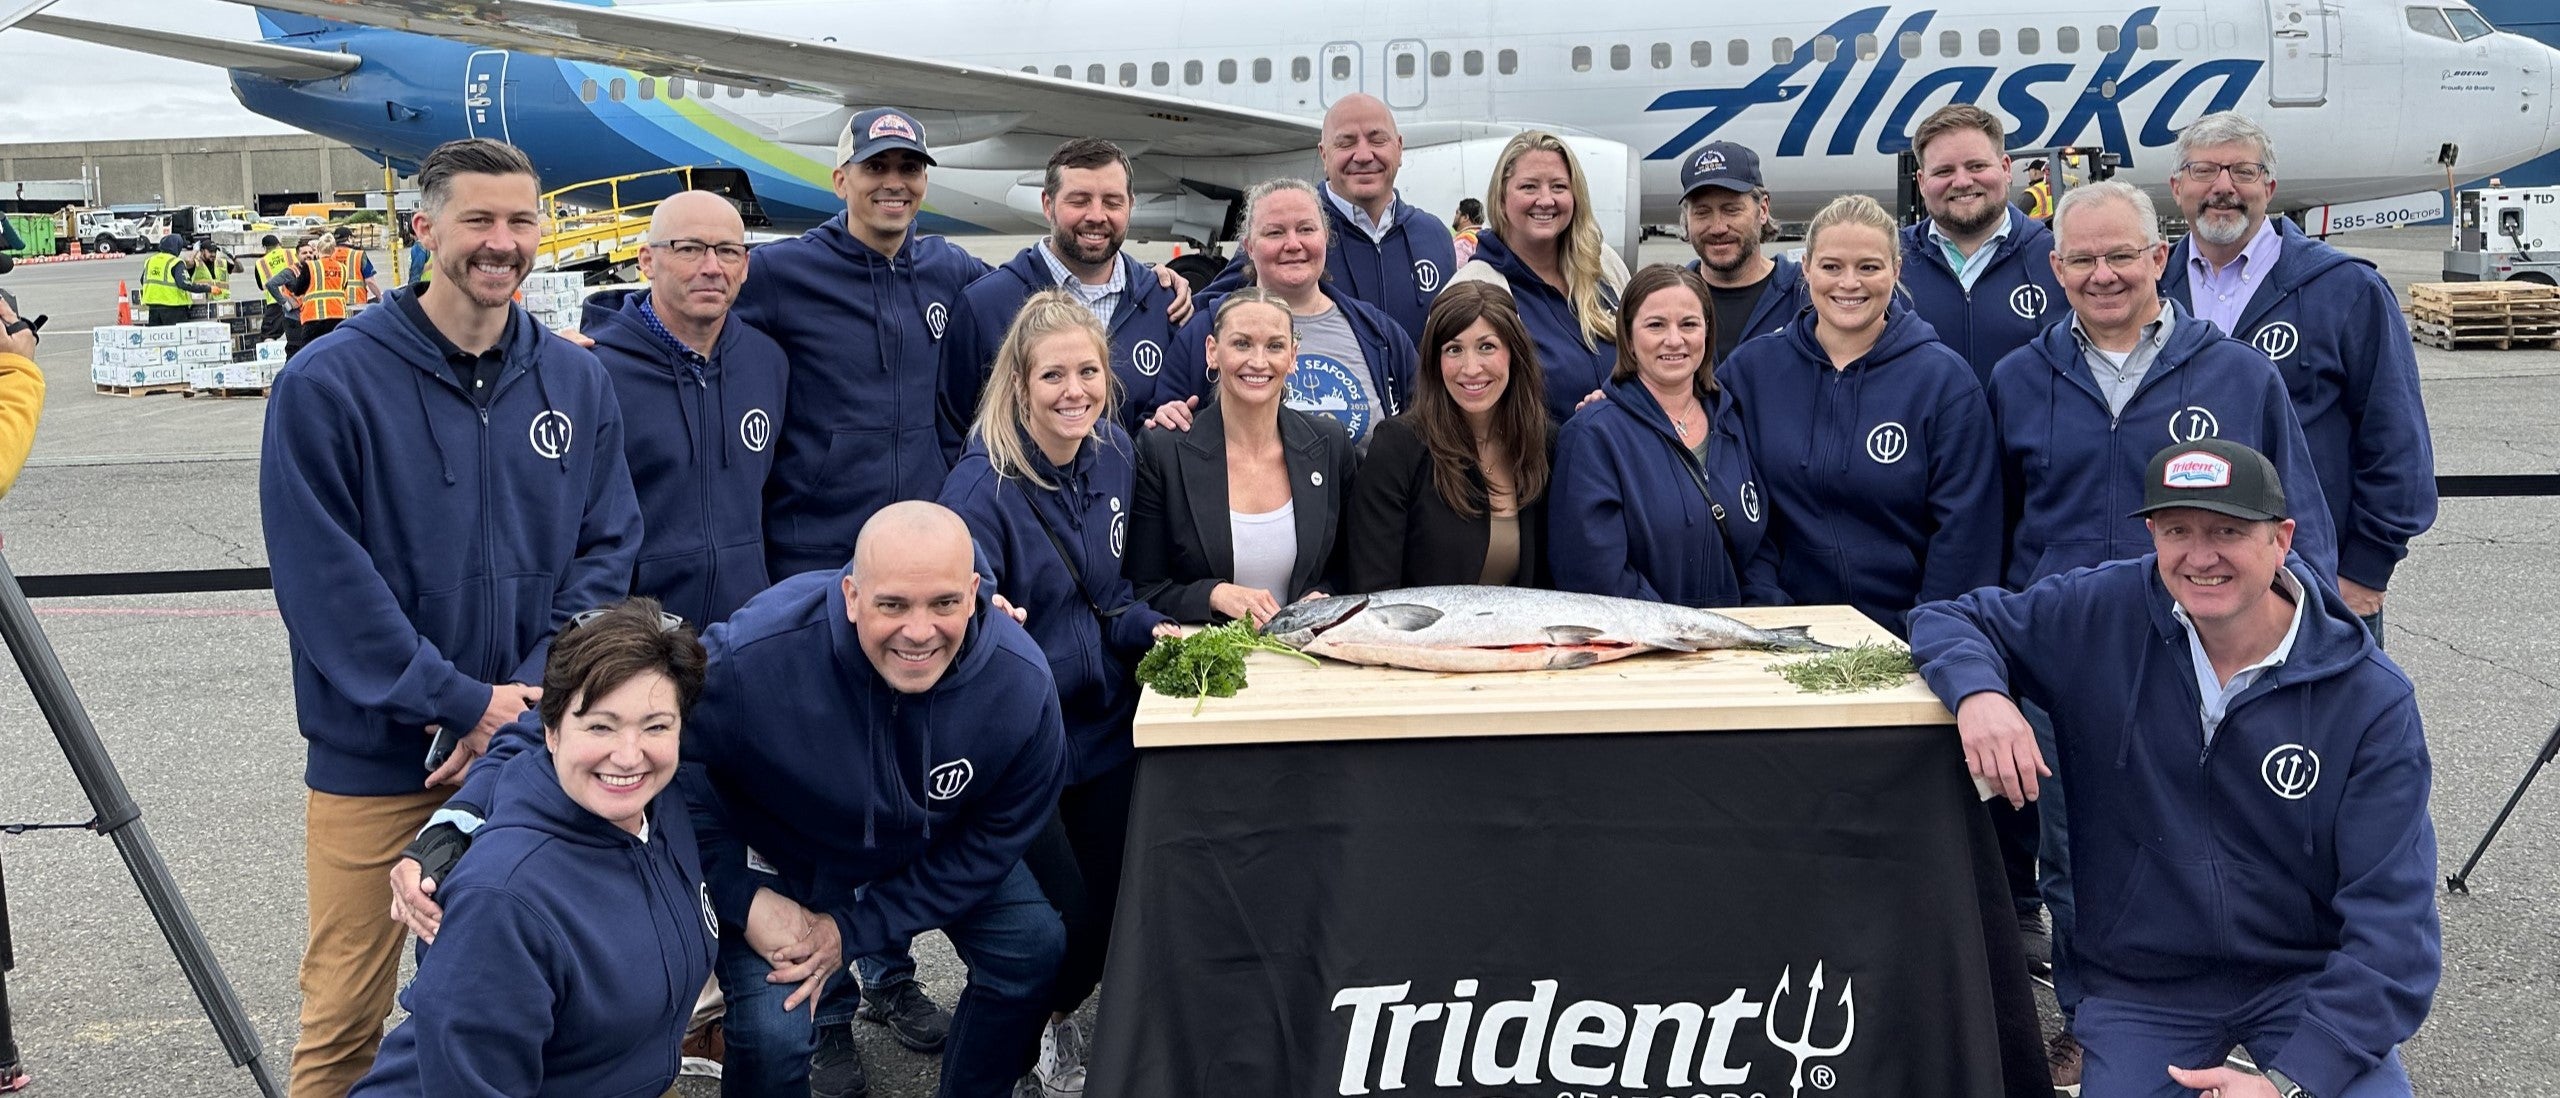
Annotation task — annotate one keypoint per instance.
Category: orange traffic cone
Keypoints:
(124, 305)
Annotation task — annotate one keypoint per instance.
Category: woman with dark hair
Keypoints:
(1454, 491)
(1239, 515)
(1654, 493)
(577, 933)
(1465, 227)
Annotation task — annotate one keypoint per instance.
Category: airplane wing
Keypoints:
(280, 62)
(1030, 103)
(11, 11)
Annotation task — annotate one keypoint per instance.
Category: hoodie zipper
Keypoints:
(710, 530)
(488, 553)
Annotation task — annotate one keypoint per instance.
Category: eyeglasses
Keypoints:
(667, 623)
(692, 251)
(2244, 173)
(2115, 261)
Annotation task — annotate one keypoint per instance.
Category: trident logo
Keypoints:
(1802, 1047)
(2290, 771)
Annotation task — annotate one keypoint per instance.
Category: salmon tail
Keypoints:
(1794, 638)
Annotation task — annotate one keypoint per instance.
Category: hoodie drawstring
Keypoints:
(442, 462)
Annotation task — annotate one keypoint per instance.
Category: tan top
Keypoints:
(1288, 701)
(1502, 551)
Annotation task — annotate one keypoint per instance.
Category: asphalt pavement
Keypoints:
(190, 695)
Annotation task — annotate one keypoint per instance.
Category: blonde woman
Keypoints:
(1541, 241)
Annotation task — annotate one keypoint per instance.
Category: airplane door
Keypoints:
(1341, 70)
(2298, 48)
(484, 94)
(1407, 84)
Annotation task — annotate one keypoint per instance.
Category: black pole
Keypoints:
(120, 819)
(2461, 881)
(9, 1071)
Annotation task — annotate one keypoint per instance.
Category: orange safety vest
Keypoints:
(354, 261)
(324, 293)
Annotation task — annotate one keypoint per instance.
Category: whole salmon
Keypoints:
(1509, 629)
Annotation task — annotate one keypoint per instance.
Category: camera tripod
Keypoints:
(118, 818)
(2461, 880)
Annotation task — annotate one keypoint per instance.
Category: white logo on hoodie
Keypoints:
(2278, 340)
(755, 429)
(550, 433)
(947, 780)
(2291, 771)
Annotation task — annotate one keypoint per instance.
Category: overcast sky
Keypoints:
(62, 90)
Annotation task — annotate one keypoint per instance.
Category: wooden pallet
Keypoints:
(2466, 339)
(230, 393)
(140, 390)
(2474, 293)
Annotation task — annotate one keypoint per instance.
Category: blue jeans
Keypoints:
(2373, 624)
(1012, 942)
(879, 971)
(2126, 1048)
(2053, 861)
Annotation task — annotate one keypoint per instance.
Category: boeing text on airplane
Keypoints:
(2098, 94)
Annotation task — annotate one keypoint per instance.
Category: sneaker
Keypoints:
(2062, 1058)
(2037, 942)
(1061, 1065)
(835, 1070)
(911, 1015)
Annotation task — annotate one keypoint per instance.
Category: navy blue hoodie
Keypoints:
(2333, 329)
(1572, 370)
(2073, 474)
(1883, 479)
(1631, 513)
(863, 333)
(1093, 660)
(424, 548)
(569, 959)
(2015, 299)
(1390, 355)
(1141, 335)
(1783, 298)
(699, 438)
(2296, 845)
(1401, 274)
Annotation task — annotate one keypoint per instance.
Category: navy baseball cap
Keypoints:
(2214, 474)
(879, 130)
(1721, 164)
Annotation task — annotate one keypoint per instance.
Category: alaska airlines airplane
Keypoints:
(2360, 95)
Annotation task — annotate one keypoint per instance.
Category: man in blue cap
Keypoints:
(1725, 208)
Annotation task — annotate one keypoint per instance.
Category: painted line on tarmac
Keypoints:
(76, 461)
(148, 612)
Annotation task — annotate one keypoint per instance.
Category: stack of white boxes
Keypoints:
(134, 357)
(554, 298)
(255, 373)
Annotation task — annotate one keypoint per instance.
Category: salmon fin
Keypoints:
(1404, 617)
(1567, 661)
(1677, 643)
(1794, 638)
(1572, 634)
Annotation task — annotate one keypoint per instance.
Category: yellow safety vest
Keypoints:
(269, 266)
(2042, 205)
(353, 261)
(160, 281)
(324, 293)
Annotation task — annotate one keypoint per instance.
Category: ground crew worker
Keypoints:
(270, 264)
(2332, 327)
(1976, 270)
(318, 289)
(166, 289)
(1725, 209)
(213, 268)
(359, 268)
(2039, 197)
(2248, 781)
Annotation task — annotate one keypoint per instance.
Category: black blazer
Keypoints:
(1180, 545)
(1400, 533)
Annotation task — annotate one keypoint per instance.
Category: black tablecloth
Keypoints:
(1681, 914)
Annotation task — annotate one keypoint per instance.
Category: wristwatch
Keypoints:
(2285, 1086)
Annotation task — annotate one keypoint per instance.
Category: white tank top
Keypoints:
(1266, 548)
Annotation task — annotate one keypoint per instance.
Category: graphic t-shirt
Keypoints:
(1332, 378)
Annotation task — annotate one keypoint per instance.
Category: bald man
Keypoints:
(872, 751)
(701, 399)
(1384, 251)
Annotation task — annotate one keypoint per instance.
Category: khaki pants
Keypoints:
(351, 962)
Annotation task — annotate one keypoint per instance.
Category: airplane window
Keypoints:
(1160, 73)
(1990, 43)
(1909, 45)
(1032, 69)
(1738, 52)
(2225, 36)
(1662, 55)
(1782, 51)
(613, 91)
(2066, 40)
(1262, 70)
(1700, 53)
(1342, 67)
(1582, 59)
(2147, 37)
(648, 88)
(2109, 39)
(1128, 74)
(1404, 66)
(1193, 72)
(1866, 47)
(1507, 62)
(1227, 70)
(1302, 70)
(1093, 74)
(1825, 48)
(2029, 40)
(1619, 57)
(587, 91)
(675, 88)
(2468, 23)
(1475, 62)
(764, 93)
(1064, 72)
(1440, 63)
(736, 92)
(2190, 36)
(1950, 43)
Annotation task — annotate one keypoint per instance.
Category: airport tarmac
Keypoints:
(190, 694)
